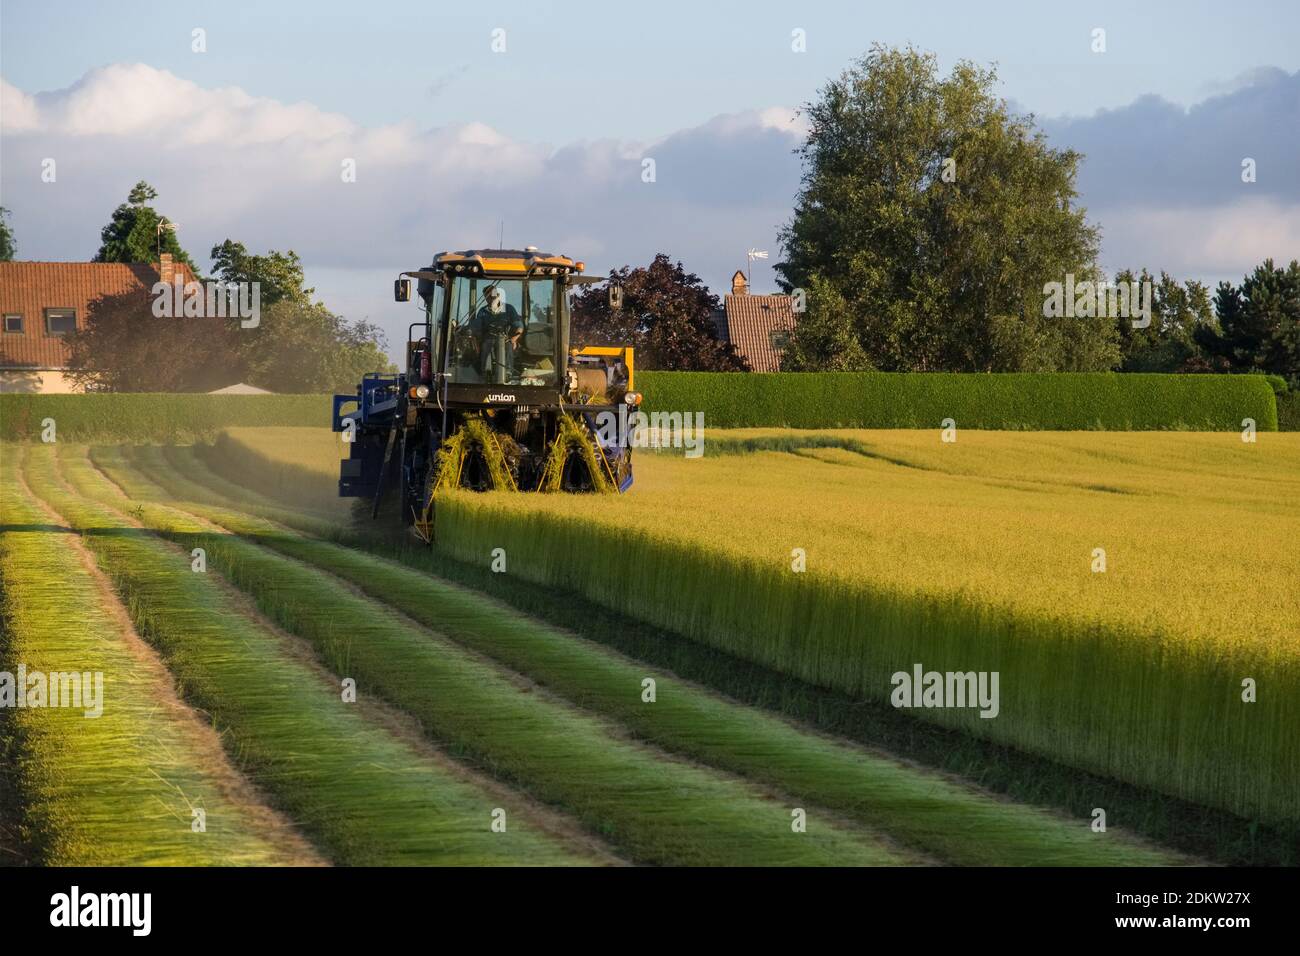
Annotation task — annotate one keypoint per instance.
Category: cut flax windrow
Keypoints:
(122, 788)
(363, 794)
(954, 823)
(655, 808)
(473, 438)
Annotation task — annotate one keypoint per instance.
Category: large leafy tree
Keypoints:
(279, 274)
(666, 315)
(1259, 322)
(938, 217)
(8, 247)
(133, 234)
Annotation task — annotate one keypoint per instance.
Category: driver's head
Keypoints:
(493, 298)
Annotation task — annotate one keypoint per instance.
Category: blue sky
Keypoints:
(638, 69)
(245, 140)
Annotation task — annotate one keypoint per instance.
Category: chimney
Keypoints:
(738, 284)
(166, 268)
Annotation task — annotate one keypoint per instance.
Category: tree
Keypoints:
(124, 347)
(133, 234)
(297, 347)
(938, 218)
(667, 315)
(303, 347)
(1180, 314)
(1259, 322)
(8, 247)
(825, 337)
(279, 274)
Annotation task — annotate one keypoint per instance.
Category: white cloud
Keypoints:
(18, 111)
(137, 100)
(1208, 242)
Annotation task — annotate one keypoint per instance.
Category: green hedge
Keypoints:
(1066, 401)
(1055, 400)
(153, 417)
(1288, 412)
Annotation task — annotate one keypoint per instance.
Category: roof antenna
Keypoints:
(501, 239)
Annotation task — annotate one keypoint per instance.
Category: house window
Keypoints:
(14, 324)
(778, 339)
(60, 321)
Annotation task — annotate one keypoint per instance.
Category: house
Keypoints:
(41, 302)
(757, 325)
(240, 388)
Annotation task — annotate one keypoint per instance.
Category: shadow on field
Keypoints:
(1213, 834)
(37, 528)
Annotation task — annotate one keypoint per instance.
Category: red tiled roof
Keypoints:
(29, 288)
(750, 320)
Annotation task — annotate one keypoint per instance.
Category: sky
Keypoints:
(535, 119)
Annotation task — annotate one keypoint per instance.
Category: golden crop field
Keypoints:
(1199, 530)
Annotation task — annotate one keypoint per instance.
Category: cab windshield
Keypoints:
(502, 331)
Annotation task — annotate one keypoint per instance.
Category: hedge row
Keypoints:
(153, 417)
(1067, 401)
(1054, 400)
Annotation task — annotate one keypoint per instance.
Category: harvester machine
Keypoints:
(494, 395)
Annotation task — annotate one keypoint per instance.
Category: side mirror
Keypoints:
(402, 290)
(615, 296)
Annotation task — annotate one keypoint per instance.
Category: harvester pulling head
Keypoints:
(494, 395)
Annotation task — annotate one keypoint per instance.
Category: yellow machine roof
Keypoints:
(505, 261)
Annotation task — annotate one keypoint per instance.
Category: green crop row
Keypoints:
(362, 792)
(152, 417)
(1057, 401)
(122, 787)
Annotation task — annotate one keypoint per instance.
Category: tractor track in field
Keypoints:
(915, 768)
(265, 821)
(398, 723)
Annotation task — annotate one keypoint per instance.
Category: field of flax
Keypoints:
(976, 555)
(972, 555)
